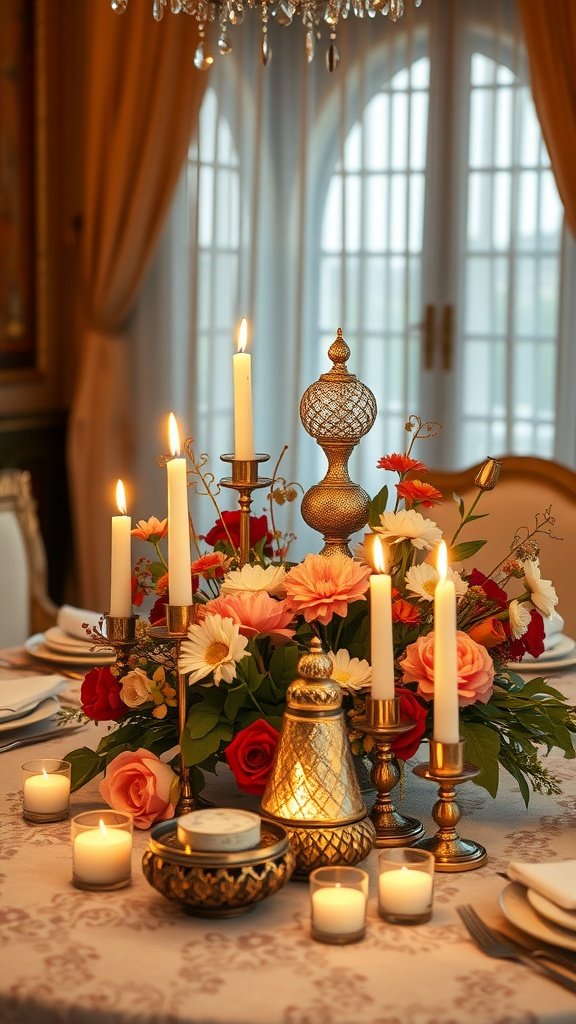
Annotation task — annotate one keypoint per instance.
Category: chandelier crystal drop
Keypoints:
(315, 15)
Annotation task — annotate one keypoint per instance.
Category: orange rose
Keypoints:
(475, 669)
(403, 611)
(490, 632)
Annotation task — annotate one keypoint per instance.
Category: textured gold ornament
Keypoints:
(313, 789)
(337, 410)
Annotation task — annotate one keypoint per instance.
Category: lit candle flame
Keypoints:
(379, 555)
(121, 498)
(174, 435)
(442, 562)
(243, 335)
(102, 827)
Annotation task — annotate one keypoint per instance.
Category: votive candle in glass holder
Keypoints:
(338, 904)
(46, 789)
(102, 849)
(405, 885)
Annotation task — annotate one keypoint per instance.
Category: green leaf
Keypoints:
(460, 552)
(482, 749)
(201, 720)
(459, 501)
(86, 765)
(234, 701)
(377, 507)
(197, 750)
(284, 666)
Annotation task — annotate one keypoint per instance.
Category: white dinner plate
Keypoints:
(45, 709)
(38, 649)
(58, 640)
(515, 906)
(554, 913)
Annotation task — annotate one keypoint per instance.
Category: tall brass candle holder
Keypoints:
(119, 632)
(245, 479)
(448, 769)
(383, 723)
(178, 620)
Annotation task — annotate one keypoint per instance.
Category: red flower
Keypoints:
(411, 710)
(415, 492)
(158, 612)
(491, 589)
(100, 696)
(251, 755)
(401, 464)
(404, 611)
(138, 592)
(258, 530)
(533, 640)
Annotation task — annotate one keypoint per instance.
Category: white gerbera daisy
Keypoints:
(542, 593)
(519, 617)
(213, 646)
(352, 673)
(422, 580)
(409, 525)
(136, 688)
(254, 578)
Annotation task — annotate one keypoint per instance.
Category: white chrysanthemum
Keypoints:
(352, 673)
(136, 688)
(422, 580)
(542, 593)
(519, 617)
(409, 525)
(213, 646)
(255, 578)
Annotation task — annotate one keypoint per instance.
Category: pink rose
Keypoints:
(475, 669)
(140, 783)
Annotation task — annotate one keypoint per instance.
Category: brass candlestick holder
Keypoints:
(337, 410)
(382, 722)
(178, 619)
(447, 768)
(119, 632)
(245, 479)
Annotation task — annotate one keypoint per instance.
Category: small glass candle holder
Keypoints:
(405, 885)
(46, 789)
(101, 849)
(338, 904)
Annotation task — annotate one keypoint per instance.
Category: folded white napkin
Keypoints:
(24, 693)
(71, 619)
(553, 626)
(556, 880)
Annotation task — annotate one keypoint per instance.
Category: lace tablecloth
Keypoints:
(132, 956)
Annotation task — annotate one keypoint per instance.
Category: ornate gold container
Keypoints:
(218, 884)
(312, 788)
(337, 410)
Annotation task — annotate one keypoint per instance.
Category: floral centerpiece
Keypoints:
(252, 623)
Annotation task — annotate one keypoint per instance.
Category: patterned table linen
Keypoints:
(132, 957)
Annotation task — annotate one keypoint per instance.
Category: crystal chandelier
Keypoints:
(314, 15)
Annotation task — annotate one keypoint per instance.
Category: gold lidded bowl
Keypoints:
(210, 884)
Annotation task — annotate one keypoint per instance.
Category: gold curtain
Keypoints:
(141, 104)
(550, 33)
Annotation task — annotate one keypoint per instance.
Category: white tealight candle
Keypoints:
(243, 412)
(338, 910)
(47, 793)
(381, 645)
(446, 725)
(179, 575)
(102, 856)
(405, 891)
(120, 563)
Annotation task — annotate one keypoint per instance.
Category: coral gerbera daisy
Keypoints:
(401, 464)
(321, 587)
(417, 492)
(254, 613)
(152, 529)
(213, 646)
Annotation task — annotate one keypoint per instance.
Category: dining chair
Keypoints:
(25, 607)
(527, 487)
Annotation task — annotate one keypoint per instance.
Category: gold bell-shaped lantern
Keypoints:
(312, 789)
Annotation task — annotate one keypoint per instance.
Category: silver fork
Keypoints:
(495, 944)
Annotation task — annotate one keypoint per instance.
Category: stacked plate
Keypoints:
(28, 706)
(559, 654)
(538, 916)
(61, 648)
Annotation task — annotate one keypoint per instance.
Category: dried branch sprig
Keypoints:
(279, 493)
(420, 430)
(523, 537)
(208, 486)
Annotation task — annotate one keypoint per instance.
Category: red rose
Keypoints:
(491, 589)
(158, 611)
(533, 640)
(412, 710)
(258, 530)
(251, 754)
(100, 696)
